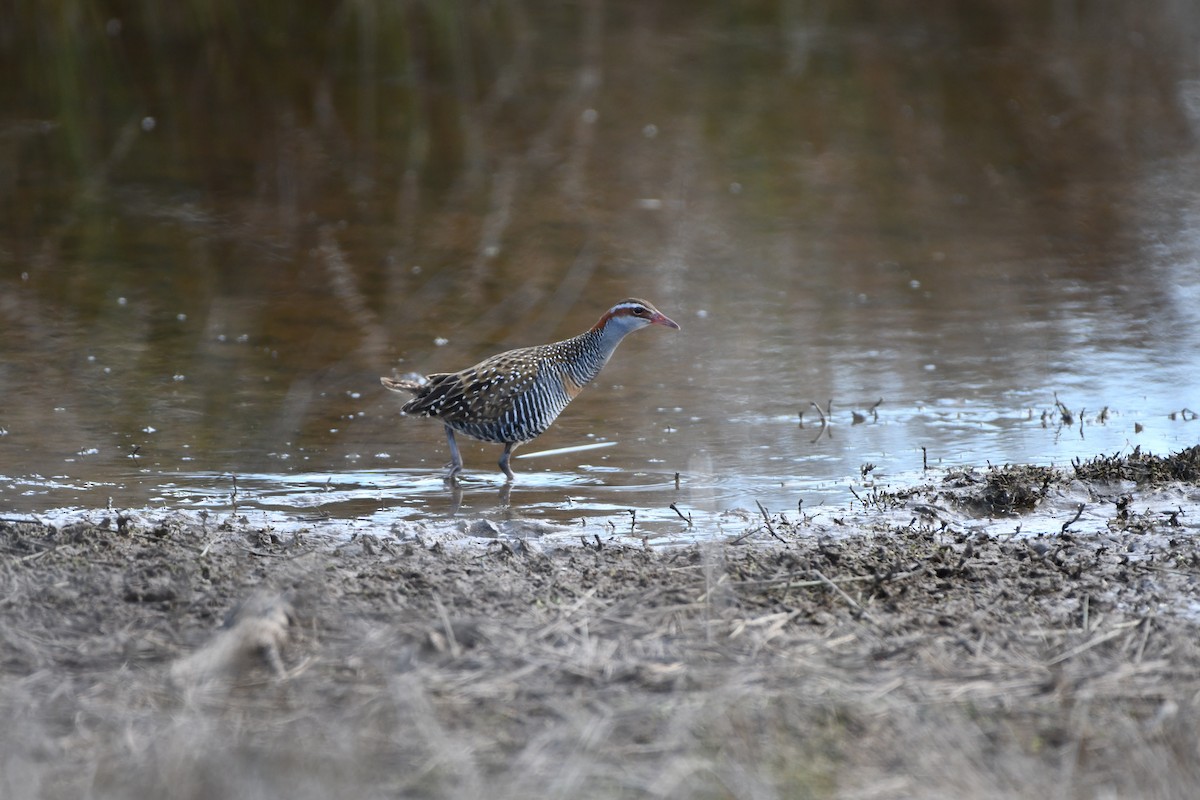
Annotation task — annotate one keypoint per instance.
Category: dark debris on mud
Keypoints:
(1001, 490)
(898, 661)
(1015, 489)
(1144, 469)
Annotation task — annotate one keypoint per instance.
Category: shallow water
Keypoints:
(962, 213)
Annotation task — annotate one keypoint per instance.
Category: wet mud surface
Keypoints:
(895, 655)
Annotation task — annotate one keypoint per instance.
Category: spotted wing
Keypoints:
(481, 394)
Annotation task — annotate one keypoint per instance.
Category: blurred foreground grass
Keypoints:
(821, 660)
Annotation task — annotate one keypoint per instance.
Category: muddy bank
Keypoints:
(817, 657)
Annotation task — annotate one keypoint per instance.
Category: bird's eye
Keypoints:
(639, 311)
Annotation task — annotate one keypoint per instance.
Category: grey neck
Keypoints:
(593, 349)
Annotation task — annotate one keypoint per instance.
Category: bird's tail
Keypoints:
(411, 384)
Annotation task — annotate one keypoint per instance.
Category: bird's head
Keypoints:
(629, 315)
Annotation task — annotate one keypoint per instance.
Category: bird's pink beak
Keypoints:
(662, 319)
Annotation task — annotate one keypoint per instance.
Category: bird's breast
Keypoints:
(571, 388)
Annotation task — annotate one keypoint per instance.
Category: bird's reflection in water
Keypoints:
(454, 486)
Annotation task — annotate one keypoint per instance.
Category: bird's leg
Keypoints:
(508, 448)
(456, 463)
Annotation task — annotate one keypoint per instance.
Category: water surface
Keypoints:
(219, 231)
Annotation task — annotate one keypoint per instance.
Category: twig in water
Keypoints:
(687, 519)
(924, 459)
(233, 495)
(874, 412)
(1064, 413)
(767, 519)
(824, 420)
(1078, 514)
(856, 497)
